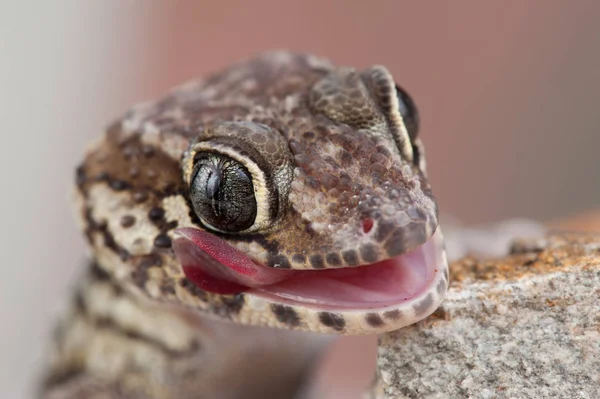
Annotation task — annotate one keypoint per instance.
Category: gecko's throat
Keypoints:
(216, 266)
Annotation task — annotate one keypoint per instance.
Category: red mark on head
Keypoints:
(367, 225)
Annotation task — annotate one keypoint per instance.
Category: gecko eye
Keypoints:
(222, 193)
(239, 175)
(409, 112)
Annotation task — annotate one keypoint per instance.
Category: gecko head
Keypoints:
(299, 191)
(335, 213)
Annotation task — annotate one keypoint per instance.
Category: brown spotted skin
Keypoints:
(331, 154)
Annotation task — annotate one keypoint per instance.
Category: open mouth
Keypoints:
(215, 266)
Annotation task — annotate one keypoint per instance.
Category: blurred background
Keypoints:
(508, 94)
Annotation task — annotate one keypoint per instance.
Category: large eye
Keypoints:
(239, 176)
(222, 193)
(409, 112)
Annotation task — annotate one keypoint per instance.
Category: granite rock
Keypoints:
(522, 326)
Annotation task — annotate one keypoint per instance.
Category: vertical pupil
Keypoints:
(213, 183)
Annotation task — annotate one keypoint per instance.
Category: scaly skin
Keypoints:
(338, 181)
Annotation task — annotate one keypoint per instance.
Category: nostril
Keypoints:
(367, 225)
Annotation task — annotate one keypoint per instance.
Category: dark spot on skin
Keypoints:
(441, 286)
(312, 182)
(406, 237)
(235, 304)
(156, 214)
(286, 315)
(123, 254)
(148, 151)
(296, 147)
(127, 221)
(98, 273)
(350, 257)
(162, 241)
(346, 158)
(102, 176)
(81, 176)
(171, 225)
(369, 253)
(140, 197)
(332, 320)
(424, 305)
(333, 259)
(299, 258)
(140, 274)
(135, 335)
(117, 289)
(317, 261)
(63, 376)
(91, 225)
(392, 314)
(139, 277)
(109, 240)
(193, 289)
(150, 260)
(271, 246)
(385, 100)
(171, 189)
(279, 262)
(383, 230)
(119, 185)
(374, 320)
(167, 288)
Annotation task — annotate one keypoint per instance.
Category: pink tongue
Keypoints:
(216, 266)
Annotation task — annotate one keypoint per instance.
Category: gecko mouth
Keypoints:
(215, 266)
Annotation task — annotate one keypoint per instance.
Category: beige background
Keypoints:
(508, 93)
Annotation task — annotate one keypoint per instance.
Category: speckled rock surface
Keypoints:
(523, 326)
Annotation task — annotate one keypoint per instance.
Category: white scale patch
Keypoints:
(176, 208)
(110, 207)
(256, 303)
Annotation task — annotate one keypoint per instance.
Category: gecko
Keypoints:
(240, 216)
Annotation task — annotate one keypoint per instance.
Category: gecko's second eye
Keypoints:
(222, 193)
(409, 112)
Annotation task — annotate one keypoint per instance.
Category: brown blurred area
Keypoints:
(508, 94)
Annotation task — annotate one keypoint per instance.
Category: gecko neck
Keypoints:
(111, 341)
